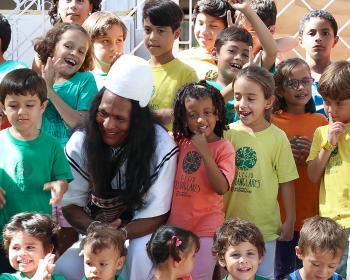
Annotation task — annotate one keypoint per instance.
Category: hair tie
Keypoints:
(178, 241)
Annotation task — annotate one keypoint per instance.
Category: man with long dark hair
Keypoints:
(124, 166)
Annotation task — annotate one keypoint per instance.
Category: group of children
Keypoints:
(265, 174)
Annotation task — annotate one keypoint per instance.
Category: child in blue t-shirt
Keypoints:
(321, 245)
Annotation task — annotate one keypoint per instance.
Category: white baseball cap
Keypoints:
(131, 77)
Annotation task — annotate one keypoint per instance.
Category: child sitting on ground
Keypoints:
(240, 248)
(321, 245)
(104, 252)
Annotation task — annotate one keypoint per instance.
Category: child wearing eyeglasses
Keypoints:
(294, 113)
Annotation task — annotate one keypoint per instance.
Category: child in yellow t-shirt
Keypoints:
(161, 24)
(328, 161)
(264, 162)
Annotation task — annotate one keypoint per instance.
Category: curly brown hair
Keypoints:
(197, 91)
(53, 11)
(37, 225)
(45, 46)
(234, 232)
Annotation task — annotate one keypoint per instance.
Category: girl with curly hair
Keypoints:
(205, 170)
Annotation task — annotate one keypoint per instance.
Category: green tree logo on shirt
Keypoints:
(245, 158)
(334, 152)
(191, 162)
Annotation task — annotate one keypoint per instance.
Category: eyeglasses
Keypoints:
(295, 84)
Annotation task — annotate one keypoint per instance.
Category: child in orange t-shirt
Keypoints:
(205, 171)
(295, 115)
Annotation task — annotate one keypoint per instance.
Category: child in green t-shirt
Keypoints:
(104, 252)
(29, 239)
(32, 163)
(240, 248)
(6, 65)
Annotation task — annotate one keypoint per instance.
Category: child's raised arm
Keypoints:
(317, 166)
(288, 197)
(265, 37)
(70, 116)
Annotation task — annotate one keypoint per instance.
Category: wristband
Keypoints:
(328, 146)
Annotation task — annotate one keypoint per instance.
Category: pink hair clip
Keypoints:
(178, 241)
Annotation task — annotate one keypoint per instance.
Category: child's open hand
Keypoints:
(200, 142)
(335, 130)
(48, 72)
(2, 197)
(45, 268)
(58, 188)
(253, 61)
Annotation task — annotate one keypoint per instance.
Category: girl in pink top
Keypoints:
(206, 168)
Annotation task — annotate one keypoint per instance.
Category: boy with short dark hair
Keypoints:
(6, 65)
(240, 248)
(209, 17)
(231, 52)
(31, 163)
(320, 247)
(161, 23)
(329, 158)
(318, 35)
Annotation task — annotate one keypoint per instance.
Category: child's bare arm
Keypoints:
(266, 39)
(70, 116)
(288, 198)
(216, 178)
(317, 166)
(227, 92)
